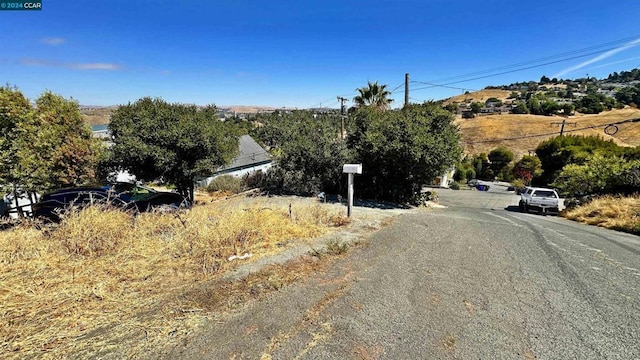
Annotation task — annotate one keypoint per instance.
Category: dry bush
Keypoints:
(104, 278)
(93, 231)
(617, 213)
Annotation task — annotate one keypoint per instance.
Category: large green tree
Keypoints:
(46, 146)
(499, 159)
(373, 95)
(402, 150)
(308, 149)
(177, 143)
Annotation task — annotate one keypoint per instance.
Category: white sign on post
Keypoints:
(351, 169)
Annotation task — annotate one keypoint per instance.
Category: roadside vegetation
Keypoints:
(104, 277)
(400, 150)
(599, 179)
(611, 212)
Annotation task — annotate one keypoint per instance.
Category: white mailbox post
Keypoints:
(351, 169)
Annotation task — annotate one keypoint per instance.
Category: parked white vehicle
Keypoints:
(541, 199)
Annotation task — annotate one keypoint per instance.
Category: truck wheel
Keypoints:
(521, 206)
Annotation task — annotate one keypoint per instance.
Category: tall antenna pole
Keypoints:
(342, 115)
(406, 89)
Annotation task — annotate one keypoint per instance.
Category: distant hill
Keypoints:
(478, 133)
(97, 115)
(479, 96)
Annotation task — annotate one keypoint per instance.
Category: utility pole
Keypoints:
(406, 89)
(342, 115)
(562, 124)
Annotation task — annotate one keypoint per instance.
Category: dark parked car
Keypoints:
(122, 195)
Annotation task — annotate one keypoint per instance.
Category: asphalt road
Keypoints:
(477, 280)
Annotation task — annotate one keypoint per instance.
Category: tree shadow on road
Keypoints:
(512, 208)
(334, 199)
(516, 208)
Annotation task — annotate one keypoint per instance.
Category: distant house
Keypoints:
(251, 158)
(101, 131)
(445, 179)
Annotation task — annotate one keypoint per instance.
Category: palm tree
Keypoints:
(374, 95)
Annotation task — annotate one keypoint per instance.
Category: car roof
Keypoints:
(541, 188)
(80, 188)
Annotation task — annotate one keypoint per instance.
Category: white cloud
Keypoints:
(53, 41)
(616, 62)
(600, 57)
(95, 66)
(75, 66)
(39, 62)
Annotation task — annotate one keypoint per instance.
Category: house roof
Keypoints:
(249, 154)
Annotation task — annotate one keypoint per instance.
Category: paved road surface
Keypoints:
(473, 281)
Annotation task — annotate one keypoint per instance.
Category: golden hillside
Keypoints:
(97, 115)
(478, 131)
(479, 96)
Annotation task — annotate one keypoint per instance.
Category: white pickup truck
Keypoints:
(541, 199)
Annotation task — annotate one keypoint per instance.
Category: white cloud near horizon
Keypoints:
(75, 66)
(53, 41)
(600, 57)
(616, 62)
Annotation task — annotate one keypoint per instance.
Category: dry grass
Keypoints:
(610, 212)
(480, 96)
(104, 281)
(98, 115)
(509, 125)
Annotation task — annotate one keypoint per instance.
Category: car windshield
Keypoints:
(132, 192)
(544, 193)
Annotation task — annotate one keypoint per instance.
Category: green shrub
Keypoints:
(253, 180)
(518, 183)
(600, 174)
(454, 186)
(226, 183)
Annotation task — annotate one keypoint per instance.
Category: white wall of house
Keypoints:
(447, 178)
(238, 173)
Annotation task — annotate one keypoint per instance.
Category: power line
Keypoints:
(563, 123)
(438, 85)
(395, 89)
(544, 59)
(512, 71)
(521, 66)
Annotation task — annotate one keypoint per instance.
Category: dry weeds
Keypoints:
(104, 281)
(616, 213)
(480, 96)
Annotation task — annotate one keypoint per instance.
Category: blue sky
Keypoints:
(305, 53)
